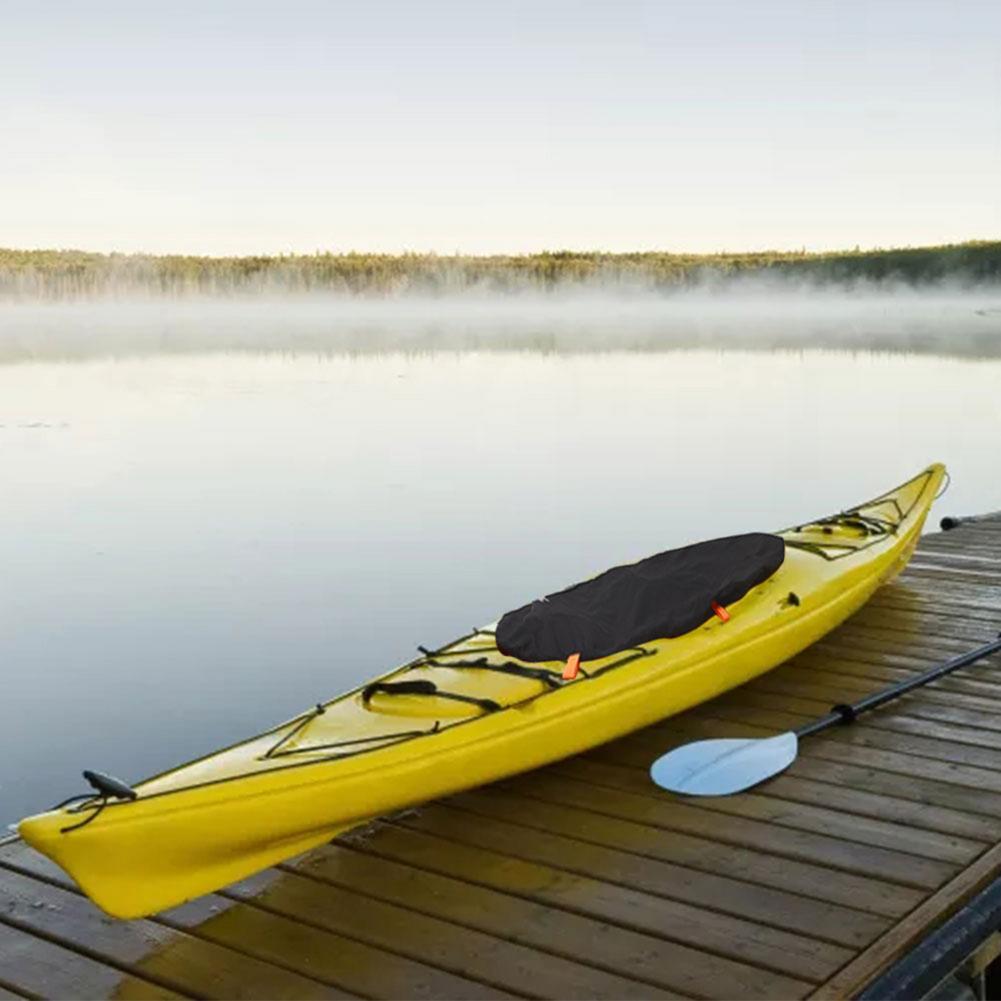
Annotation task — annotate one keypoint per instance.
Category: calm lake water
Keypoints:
(195, 547)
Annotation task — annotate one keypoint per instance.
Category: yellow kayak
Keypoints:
(459, 717)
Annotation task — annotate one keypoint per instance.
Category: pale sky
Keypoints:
(498, 125)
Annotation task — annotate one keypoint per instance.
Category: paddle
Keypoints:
(728, 765)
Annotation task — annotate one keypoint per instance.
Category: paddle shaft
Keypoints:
(847, 713)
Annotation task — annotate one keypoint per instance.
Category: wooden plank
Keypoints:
(967, 608)
(950, 707)
(537, 922)
(761, 806)
(758, 717)
(322, 955)
(932, 572)
(447, 945)
(984, 541)
(889, 730)
(964, 559)
(709, 930)
(944, 543)
(519, 828)
(978, 679)
(917, 789)
(928, 638)
(984, 544)
(973, 604)
(905, 729)
(896, 642)
(856, 649)
(716, 719)
(892, 655)
(925, 582)
(178, 961)
(851, 799)
(973, 575)
(969, 680)
(936, 742)
(972, 711)
(987, 952)
(943, 579)
(969, 536)
(803, 706)
(980, 674)
(701, 854)
(856, 639)
(907, 933)
(817, 761)
(955, 615)
(931, 620)
(965, 776)
(676, 815)
(975, 558)
(344, 914)
(916, 728)
(970, 557)
(36, 967)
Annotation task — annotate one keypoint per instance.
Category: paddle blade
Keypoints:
(725, 766)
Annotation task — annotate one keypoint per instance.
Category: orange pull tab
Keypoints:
(572, 667)
(721, 613)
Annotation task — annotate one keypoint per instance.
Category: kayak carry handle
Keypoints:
(425, 688)
(399, 688)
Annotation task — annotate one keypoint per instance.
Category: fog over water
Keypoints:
(745, 314)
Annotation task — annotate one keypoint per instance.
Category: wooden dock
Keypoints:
(583, 880)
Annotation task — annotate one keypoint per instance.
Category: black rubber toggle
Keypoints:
(108, 785)
(846, 712)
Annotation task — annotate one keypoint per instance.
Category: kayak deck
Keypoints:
(580, 880)
(470, 675)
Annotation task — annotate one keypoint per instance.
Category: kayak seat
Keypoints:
(662, 596)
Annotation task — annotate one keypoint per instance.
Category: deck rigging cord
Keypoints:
(874, 528)
(550, 680)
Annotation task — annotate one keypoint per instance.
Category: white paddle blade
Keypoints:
(725, 766)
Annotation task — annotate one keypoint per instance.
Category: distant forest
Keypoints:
(63, 274)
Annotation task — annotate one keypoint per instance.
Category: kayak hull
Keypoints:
(231, 814)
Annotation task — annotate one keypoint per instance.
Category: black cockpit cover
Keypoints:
(665, 595)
